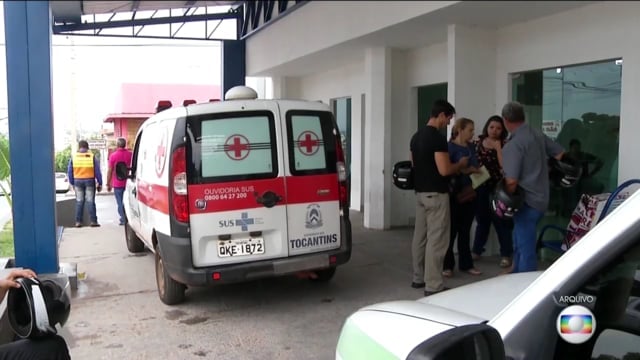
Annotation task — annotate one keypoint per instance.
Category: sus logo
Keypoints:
(314, 216)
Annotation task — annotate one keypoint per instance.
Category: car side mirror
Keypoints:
(122, 171)
(468, 342)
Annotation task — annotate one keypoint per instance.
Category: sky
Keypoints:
(87, 72)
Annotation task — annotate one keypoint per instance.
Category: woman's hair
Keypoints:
(498, 119)
(460, 124)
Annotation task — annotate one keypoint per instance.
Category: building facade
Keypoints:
(574, 65)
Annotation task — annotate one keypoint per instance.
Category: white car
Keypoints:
(62, 183)
(584, 306)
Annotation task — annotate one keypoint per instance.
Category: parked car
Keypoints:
(62, 183)
(586, 305)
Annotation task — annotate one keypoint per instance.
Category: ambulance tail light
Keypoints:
(342, 175)
(179, 188)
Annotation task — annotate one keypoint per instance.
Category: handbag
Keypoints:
(466, 194)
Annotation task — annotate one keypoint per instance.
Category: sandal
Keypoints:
(505, 262)
(447, 273)
(474, 271)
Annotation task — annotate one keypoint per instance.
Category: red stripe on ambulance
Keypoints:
(237, 195)
(154, 196)
(312, 188)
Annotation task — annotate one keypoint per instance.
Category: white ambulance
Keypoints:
(235, 190)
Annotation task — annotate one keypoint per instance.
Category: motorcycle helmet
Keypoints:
(564, 173)
(503, 204)
(403, 175)
(36, 307)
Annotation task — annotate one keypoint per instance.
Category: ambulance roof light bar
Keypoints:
(188, 102)
(241, 93)
(163, 105)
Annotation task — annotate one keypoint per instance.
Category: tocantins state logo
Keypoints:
(314, 217)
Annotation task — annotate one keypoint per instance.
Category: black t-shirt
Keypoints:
(424, 144)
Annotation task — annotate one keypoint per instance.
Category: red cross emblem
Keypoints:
(237, 147)
(161, 154)
(308, 143)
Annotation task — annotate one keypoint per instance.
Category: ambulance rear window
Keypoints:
(228, 147)
(311, 140)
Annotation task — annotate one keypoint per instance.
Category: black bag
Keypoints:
(462, 193)
(403, 175)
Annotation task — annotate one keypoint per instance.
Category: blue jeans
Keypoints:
(85, 194)
(525, 225)
(484, 219)
(119, 193)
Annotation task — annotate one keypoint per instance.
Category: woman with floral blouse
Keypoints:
(489, 151)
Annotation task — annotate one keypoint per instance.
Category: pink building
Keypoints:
(137, 102)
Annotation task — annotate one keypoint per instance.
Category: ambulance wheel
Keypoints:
(170, 291)
(324, 275)
(134, 244)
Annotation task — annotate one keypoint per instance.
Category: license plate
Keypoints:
(241, 247)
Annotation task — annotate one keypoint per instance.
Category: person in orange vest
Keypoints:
(84, 173)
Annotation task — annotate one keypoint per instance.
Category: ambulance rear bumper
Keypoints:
(176, 255)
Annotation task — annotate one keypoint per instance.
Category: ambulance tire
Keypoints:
(170, 291)
(324, 275)
(134, 244)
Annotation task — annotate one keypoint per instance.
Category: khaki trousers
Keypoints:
(430, 238)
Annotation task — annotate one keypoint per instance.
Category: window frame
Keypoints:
(194, 157)
(328, 127)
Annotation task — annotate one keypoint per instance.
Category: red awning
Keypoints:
(113, 117)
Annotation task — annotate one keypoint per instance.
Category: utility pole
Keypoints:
(73, 101)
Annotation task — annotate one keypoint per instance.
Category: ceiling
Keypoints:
(71, 11)
(423, 31)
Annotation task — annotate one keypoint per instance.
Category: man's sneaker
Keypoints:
(78, 224)
(94, 224)
(416, 285)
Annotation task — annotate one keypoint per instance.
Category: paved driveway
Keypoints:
(116, 313)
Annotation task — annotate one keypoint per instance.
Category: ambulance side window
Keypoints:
(312, 148)
(134, 158)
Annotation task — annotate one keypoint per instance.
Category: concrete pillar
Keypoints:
(472, 73)
(357, 123)
(280, 87)
(377, 153)
(472, 80)
(28, 51)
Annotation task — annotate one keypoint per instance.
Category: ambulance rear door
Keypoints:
(311, 158)
(236, 183)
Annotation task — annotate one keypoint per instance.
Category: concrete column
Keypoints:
(28, 39)
(472, 80)
(356, 150)
(472, 73)
(279, 87)
(377, 153)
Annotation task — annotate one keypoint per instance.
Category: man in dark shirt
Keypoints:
(524, 160)
(431, 168)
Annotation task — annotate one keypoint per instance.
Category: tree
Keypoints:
(5, 169)
(62, 159)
